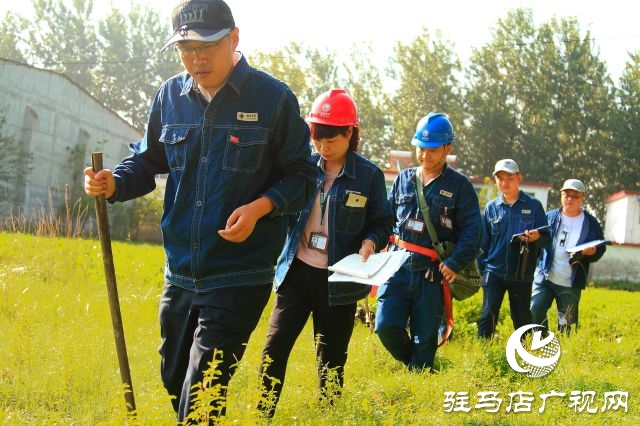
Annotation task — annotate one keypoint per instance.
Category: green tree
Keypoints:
(625, 146)
(364, 84)
(542, 97)
(286, 64)
(11, 37)
(116, 59)
(308, 72)
(130, 65)
(65, 40)
(427, 71)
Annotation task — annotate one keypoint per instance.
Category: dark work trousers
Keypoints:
(493, 291)
(304, 291)
(409, 298)
(195, 325)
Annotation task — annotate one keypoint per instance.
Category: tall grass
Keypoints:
(59, 216)
(58, 363)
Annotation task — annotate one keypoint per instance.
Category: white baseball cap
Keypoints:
(507, 165)
(574, 184)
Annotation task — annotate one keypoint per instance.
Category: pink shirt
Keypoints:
(317, 223)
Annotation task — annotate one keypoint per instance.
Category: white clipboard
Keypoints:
(353, 265)
(580, 247)
(393, 262)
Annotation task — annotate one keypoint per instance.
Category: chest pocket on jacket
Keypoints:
(244, 150)
(438, 205)
(498, 225)
(405, 205)
(526, 222)
(174, 140)
(349, 220)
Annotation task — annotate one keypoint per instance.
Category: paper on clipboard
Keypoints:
(580, 247)
(353, 265)
(394, 259)
(541, 230)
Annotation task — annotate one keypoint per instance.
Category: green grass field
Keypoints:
(58, 363)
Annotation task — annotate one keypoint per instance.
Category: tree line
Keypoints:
(536, 93)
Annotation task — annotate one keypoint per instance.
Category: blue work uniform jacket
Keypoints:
(499, 253)
(591, 230)
(248, 141)
(348, 226)
(451, 199)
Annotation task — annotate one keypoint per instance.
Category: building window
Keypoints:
(29, 127)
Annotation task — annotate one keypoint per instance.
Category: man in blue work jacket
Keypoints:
(236, 151)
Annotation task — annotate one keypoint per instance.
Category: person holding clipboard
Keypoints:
(348, 213)
(414, 300)
(561, 275)
(507, 264)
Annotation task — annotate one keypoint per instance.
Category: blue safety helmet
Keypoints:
(433, 130)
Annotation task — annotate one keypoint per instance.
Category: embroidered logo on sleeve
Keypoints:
(247, 116)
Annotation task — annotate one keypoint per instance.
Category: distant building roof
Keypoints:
(621, 194)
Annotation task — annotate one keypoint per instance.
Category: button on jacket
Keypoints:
(348, 226)
(591, 230)
(249, 141)
(449, 196)
(499, 254)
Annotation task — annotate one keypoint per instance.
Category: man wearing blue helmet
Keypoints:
(414, 295)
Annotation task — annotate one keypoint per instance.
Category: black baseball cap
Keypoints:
(200, 20)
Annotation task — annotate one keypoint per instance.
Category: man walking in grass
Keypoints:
(236, 151)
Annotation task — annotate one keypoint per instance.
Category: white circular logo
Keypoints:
(540, 359)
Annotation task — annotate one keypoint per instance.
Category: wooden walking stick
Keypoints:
(112, 289)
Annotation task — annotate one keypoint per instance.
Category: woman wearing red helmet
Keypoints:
(349, 214)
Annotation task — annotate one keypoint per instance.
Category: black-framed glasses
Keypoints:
(574, 195)
(202, 49)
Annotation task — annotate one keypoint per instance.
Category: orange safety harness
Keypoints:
(433, 255)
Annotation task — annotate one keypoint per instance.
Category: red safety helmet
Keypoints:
(334, 108)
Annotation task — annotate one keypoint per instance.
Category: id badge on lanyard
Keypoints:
(319, 241)
(415, 225)
(445, 220)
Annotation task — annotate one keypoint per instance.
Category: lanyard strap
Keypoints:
(324, 198)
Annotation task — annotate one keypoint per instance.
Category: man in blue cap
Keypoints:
(414, 294)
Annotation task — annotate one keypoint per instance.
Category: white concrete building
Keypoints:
(60, 124)
(623, 218)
